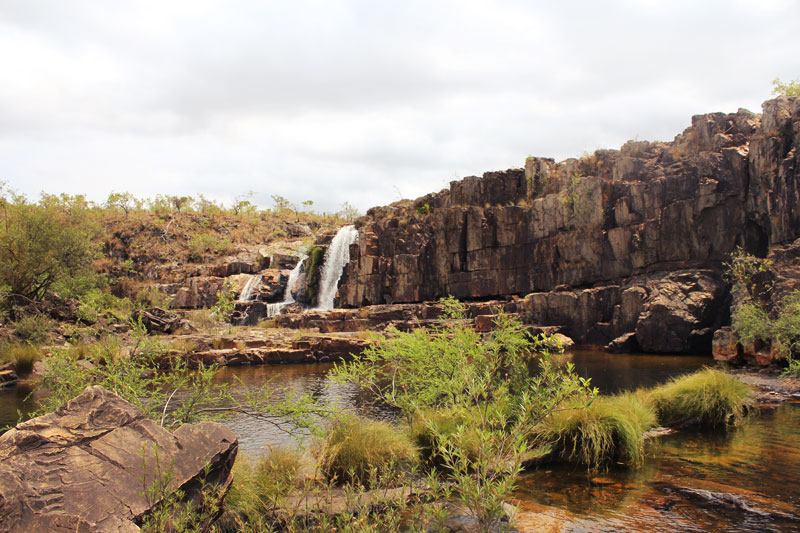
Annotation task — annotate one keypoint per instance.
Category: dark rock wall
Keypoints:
(643, 210)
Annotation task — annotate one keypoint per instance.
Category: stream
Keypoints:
(745, 480)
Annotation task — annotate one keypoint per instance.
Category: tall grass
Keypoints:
(259, 489)
(609, 429)
(358, 451)
(22, 355)
(708, 397)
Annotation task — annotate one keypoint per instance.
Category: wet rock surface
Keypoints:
(85, 467)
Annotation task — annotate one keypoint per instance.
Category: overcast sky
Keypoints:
(360, 101)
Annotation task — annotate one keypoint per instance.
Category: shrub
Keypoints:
(708, 397)
(21, 355)
(361, 451)
(40, 246)
(791, 88)
(609, 429)
(34, 329)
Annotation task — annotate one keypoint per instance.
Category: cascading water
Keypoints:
(275, 309)
(251, 284)
(336, 258)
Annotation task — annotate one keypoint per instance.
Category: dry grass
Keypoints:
(362, 451)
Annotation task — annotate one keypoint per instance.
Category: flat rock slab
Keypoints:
(85, 467)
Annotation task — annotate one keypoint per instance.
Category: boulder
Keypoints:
(625, 343)
(158, 320)
(85, 467)
(725, 347)
(680, 313)
(197, 292)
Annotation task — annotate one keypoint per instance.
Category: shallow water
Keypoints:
(740, 481)
(752, 472)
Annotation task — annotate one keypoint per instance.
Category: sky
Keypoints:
(365, 102)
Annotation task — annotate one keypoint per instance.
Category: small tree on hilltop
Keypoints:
(780, 88)
(39, 247)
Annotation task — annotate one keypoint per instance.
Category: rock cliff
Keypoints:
(617, 223)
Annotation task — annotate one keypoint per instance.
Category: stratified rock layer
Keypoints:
(647, 209)
(86, 466)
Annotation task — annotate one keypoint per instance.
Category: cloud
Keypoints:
(359, 101)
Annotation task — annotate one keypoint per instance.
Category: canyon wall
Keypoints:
(637, 235)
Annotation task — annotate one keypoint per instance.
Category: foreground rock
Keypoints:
(86, 466)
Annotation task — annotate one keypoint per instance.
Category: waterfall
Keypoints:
(275, 309)
(251, 284)
(336, 258)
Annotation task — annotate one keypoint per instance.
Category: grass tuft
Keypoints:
(609, 429)
(360, 451)
(22, 355)
(708, 397)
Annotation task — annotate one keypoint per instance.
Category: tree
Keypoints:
(121, 200)
(780, 88)
(40, 246)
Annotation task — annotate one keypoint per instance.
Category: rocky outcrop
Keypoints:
(660, 313)
(86, 466)
(270, 348)
(587, 224)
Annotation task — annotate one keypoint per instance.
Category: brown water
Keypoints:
(690, 481)
(747, 480)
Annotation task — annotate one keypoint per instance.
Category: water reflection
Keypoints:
(745, 480)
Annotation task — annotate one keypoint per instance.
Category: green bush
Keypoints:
(21, 355)
(609, 429)
(360, 451)
(41, 246)
(34, 329)
(708, 397)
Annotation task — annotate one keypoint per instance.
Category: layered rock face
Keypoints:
(644, 211)
(86, 467)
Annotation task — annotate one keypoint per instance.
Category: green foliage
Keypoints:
(748, 273)
(484, 383)
(204, 243)
(96, 304)
(751, 323)
(708, 397)
(792, 369)
(752, 320)
(21, 355)
(424, 209)
(34, 329)
(226, 302)
(609, 429)
(360, 451)
(40, 247)
(172, 397)
(313, 268)
(261, 486)
(123, 201)
(791, 88)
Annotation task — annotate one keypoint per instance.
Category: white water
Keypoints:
(251, 284)
(275, 309)
(336, 258)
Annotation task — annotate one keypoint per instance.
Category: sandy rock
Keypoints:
(81, 467)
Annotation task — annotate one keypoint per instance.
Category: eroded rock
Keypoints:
(85, 467)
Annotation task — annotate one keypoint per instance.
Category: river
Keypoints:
(741, 480)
